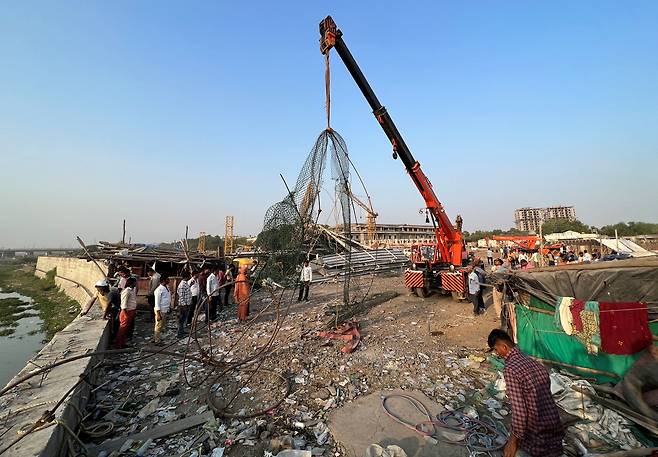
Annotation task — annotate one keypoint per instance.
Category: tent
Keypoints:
(535, 293)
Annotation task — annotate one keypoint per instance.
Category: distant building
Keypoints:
(394, 235)
(530, 219)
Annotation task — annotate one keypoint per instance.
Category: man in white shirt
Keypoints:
(162, 301)
(587, 257)
(489, 256)
(475, 279)
(195, 290)
(212, 289)
(536, 258)
(305, 281)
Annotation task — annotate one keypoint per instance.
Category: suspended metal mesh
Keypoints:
(289, 230)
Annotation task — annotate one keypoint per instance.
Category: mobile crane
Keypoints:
(434, 266)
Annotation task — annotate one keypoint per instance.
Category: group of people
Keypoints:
(477, 280)
(211, 288)
(519, 259)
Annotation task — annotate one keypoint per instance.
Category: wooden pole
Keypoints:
(576, 367)
(541, 246)
(90, 256)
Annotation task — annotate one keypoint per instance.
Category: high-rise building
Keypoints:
(530, 219)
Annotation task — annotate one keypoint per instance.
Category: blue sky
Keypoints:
(172, 113)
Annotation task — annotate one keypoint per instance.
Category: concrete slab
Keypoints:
(364, 422)
(27, 402)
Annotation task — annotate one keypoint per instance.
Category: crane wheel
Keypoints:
(456, 296)
(422, 292)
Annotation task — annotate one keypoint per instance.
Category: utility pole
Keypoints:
(541, 246)
(123, 237)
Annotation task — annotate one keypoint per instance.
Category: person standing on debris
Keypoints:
(193, 282)
(535, 258)
(498, 290)
(161, 308)
(124, 274)
(229, 278)
(475, 280)
(128, 311)
(536, 427)
(513, 259)
(242, 294)
(305, 281)
(154, 283)
(212, 290)
(184, 302)
(110, 300)
(223, 300)
(489, 256)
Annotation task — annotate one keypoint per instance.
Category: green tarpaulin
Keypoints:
(538, 336)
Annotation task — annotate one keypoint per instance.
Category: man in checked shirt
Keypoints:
(536, 427)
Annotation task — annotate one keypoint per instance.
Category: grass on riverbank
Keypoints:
(51, 303)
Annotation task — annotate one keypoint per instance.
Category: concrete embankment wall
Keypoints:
(76, 277)
(26, 403)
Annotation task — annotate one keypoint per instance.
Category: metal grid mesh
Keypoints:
(288, 226)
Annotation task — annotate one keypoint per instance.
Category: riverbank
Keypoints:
(55, 309)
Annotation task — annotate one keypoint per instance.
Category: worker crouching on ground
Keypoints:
(161, 308)
(242, 294)
(128, 311)
(536, 427)
(184, 302)
(305, 281)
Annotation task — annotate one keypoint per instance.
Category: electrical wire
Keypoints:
(478, 435)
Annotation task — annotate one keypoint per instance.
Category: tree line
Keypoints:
(562, 225)
(211, 244)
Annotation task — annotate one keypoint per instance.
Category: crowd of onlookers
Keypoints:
(520, 259)
(516, 259)
(210, 289)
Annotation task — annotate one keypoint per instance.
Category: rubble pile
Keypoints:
(282, 402)
(152, 392)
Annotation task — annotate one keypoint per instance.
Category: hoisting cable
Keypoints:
(327, 89)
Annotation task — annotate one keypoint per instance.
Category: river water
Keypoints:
(19, 347)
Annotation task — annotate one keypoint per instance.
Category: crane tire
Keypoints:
(422, 292)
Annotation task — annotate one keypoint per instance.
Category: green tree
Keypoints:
(562, 225)
(479, 234)
(630, 229)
